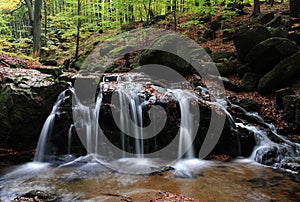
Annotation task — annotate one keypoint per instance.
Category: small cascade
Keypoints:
(47, 129)
(70, 132)
(131, 117)
(131, 99)
(187, 123)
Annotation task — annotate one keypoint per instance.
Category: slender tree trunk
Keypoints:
(256, 10)
(78, 30)
(174, 13)
(294, 32)
(30, 14)
(37, 28)
(45, 21)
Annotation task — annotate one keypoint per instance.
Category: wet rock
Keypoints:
(281, 75)
(292, 163)
(222, 56)
(264, 56)
(48, 62)
(249, 81)
(26, 100)
(37, 196)
(265, 18)
(249, 104)
(248, 36)
(209, 34)
(280, 94)
(276, 22)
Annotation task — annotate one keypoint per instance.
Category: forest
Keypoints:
(149, 100)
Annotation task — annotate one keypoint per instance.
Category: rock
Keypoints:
(154, 56)
(205, 19)
(249, 81)
(230, 85)
(225, 69)
(222, 56)
(236, 7)
(281, 75)
(297, 116)
(27, 106)
(291, 163)
(276, 22)
(37, 195)
(227, 35)
(289, 105)
(249, 104)
(209, 34)
(264, 56)
(215, 25)
(208, 50)
(48, 62)
(242, 70)
(280, 94)
(279, 32)
(54, 71)
(248, 36)
(265, 18)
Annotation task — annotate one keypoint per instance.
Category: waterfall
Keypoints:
(47, 128)
(70, 132)
(131, 117)
(187, 126)
(131, 102)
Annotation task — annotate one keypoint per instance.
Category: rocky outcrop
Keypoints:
(281, 75)
(264, 56)
(248, 36)
(26, 99)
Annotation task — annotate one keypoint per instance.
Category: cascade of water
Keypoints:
(131, 121)
(47, 128)
(187, 123)
(88, 117)
(70, 132)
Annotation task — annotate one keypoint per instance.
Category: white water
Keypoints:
(47, 129)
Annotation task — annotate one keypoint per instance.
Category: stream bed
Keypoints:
(239, 180)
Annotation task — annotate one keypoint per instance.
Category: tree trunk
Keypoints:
(256, 10)
(37, 28)
(30, 14)
(45, 21)
(294, 32)
(78, 30)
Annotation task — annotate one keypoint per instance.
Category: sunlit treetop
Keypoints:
(8, 4)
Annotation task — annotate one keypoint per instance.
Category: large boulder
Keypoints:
(26, 99)
(264, 56)
(248, 36)
(281, 75)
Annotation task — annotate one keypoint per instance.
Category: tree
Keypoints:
(294, 32)
(37, 28)
(256, 9)
(78, 30)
